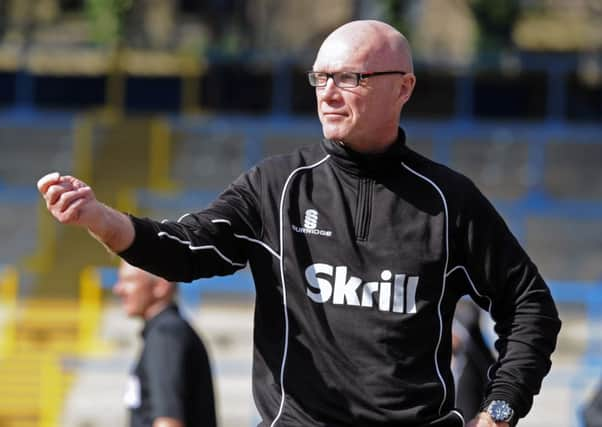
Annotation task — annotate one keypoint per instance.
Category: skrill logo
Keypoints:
(394, 293)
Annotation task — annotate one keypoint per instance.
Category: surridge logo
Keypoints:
(310, 224)
(311, 219)
(393, 292)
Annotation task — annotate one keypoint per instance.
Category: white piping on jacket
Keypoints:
(443, 284)
(461, 267)
(459, 415)
(472, 285)
(196, 248)
(286, 326)
(242, 236)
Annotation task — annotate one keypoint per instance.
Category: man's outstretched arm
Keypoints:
(71, 201)
(199, 244)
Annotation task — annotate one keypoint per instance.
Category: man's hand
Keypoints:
(484, 420)
(167, 422)
(71, 201)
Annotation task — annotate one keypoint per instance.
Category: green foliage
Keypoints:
(495, 20)
(107, 19)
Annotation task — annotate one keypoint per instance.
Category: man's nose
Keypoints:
(330, 89)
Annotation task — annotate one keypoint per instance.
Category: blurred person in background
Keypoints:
(360, 249)
(471, 358)
(592, 410)
(171, 384)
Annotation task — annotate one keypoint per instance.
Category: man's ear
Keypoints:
(161, 288)
(408, 82)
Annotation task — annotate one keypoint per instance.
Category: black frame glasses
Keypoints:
(343, 79)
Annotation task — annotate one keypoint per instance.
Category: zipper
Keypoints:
(363, 211)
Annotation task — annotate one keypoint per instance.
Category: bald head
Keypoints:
(376, 44)
(142, 276)
(143, 294)
(364, 115)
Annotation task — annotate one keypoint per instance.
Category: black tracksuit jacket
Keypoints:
(358, 262)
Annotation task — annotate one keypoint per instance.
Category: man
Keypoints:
(360, 249)
(171, 385)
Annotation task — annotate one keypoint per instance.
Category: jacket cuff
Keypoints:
(144, 232)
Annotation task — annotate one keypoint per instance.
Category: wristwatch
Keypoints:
(500, 411)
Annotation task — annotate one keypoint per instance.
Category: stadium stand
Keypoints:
(18, 224)
(33, 384)
(42, 148)
(564, 158)
(498, 164)
(566, 247)
(25, 150)
(206, 160)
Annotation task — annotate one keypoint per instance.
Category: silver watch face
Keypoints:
(500, 411)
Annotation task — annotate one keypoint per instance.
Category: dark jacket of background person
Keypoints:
(174, 374)
(171, 384)
(592, 413)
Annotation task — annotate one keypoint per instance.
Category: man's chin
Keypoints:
(334, 134)
(132, 312)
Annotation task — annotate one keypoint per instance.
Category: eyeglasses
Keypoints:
(343, 79)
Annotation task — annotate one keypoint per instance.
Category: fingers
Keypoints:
(76, 183)
(73, 211)
(53, 193)
(47, 180)
(67, 198)
(68, 182)
(71, 206)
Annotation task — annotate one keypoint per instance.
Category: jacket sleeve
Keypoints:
(211, 242)
(507, 283)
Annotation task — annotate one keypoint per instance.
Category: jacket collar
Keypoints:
(148, 324)
(367, 164)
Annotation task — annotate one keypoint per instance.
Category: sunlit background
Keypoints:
(159, 104)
